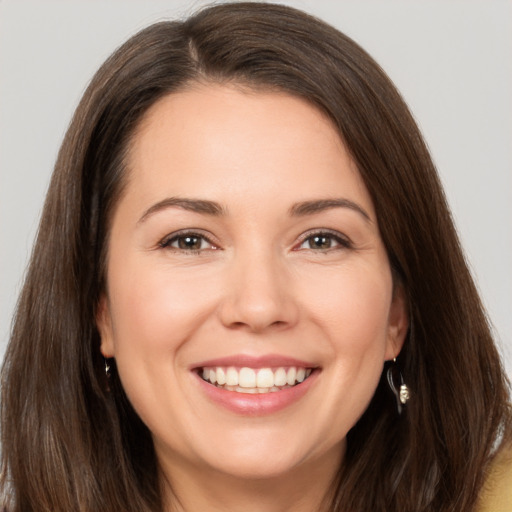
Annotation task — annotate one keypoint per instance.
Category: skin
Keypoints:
(257, 284)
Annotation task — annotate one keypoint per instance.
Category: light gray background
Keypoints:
(452, 60)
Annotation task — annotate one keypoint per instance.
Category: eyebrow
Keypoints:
(213, 208)
(193, 205)
(320, 205)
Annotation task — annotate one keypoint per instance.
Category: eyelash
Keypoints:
(342, 241)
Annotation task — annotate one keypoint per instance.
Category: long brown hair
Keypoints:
(71, 440)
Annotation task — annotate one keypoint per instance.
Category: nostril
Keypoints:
(238, 325)
(256, 326)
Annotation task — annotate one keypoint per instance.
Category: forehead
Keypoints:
(227, 142)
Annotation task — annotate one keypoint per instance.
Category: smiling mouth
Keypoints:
(254, 380)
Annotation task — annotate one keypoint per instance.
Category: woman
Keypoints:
(247, 292)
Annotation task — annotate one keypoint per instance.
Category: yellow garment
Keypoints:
(497, 491)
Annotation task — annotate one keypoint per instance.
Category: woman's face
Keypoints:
(250, 305)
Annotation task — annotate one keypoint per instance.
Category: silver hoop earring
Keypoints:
(402, 394)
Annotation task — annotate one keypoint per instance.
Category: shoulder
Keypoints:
(496, 495)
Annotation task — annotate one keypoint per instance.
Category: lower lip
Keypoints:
(257, 404)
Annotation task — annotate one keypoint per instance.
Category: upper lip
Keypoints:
(249, 361)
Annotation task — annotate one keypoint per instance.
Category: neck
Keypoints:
(304, 489)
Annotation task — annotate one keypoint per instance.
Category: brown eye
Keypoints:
(190, 243)
(324, 241)
(320, 242)
(187, 242)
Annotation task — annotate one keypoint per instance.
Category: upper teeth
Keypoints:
(255, 378)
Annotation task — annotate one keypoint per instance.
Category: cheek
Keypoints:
(155, 310)
(353, 305)
(352, 313)
(349, 310)
(360, 335)
(153, 314)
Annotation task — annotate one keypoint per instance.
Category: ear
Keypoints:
(104, 325)
(398, 323)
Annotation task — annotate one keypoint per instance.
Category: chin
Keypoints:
(256, 469)
(260, 457)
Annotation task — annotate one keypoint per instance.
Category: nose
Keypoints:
(258, 295)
